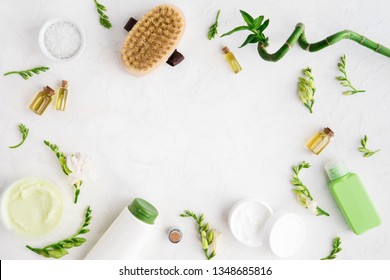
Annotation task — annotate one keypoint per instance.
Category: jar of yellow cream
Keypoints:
(32, 207)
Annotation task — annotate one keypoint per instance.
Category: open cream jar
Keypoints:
(32, 207)
(253, 223)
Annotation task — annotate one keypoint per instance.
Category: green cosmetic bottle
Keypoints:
(352, 198)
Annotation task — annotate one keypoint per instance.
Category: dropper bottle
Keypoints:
(62, 96)
(232, 60)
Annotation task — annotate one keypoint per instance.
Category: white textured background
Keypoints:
(197, 136)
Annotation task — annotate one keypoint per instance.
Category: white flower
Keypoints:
(312, 206)
(77, 164)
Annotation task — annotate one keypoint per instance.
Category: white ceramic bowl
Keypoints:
(42, 45)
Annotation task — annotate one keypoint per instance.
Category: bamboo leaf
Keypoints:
(264, 26)
(240, 28)
(247, 17)
(257, 22)
(250, 39)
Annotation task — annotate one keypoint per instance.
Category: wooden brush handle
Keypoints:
(130, 24)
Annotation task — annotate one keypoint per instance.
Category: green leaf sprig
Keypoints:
(24, 131)
(363, 149)
(207, 235)
(213, 28)
(336, 249)
(254, 25)
(307, 89)
(60, 155)
(302, 192)
(343, 79)
(62, 160)
(26, 74)
(60, 249)
(104, 19)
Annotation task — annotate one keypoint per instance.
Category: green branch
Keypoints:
(213, 28)
(302, 192)
(307, 89)
(104, 19)
(60, 155)
(24, 131)
(62, 160)
(26, 74)
(363, 149)
(336, 249)
(60, 249)
(207, 235)
(343, 79)
(298, 35)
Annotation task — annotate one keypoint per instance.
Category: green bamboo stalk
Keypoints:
(299, 36)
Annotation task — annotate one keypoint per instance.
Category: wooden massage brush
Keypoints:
(152, 40)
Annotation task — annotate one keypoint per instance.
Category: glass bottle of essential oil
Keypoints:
(42, 100)
(62, 96)
(232, 60)
(319, 141)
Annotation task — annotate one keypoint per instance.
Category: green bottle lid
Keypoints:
(336, 170)
(143, 211)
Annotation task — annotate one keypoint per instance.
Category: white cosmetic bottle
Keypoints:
(128, 234)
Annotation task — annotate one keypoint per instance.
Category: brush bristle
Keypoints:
(153, 38)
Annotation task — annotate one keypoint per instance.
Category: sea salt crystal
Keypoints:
(62, 39)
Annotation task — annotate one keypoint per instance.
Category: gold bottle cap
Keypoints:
(48, 90)
(64, 84)
(328, 131)
(225, 50)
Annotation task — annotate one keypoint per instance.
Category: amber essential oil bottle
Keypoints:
(62, 96)
(319, 141)
(42, 100)
(232, 60)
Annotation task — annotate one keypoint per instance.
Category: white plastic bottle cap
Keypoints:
(285, 233)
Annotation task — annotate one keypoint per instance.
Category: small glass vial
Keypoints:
(62, 96)
(175, 235)
(231, 59)
(42, 100)
(319, 141)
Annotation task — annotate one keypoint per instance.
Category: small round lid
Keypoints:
(143, 211)
(285, 233)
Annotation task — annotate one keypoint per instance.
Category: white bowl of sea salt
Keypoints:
(253, 223)
(61, 40)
